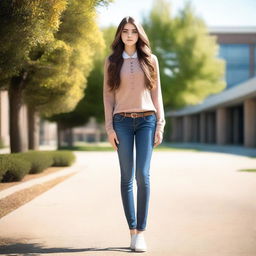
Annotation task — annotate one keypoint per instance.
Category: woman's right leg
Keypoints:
(125, 135)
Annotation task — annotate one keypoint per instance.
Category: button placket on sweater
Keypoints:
(132, 75)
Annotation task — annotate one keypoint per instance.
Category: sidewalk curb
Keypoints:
(66, 170)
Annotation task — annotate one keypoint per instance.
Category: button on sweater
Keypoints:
(132, 95)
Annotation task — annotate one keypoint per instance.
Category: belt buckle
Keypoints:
(132, 115)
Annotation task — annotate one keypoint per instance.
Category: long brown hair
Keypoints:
(143, 53)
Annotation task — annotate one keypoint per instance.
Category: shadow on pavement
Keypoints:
(27, 249)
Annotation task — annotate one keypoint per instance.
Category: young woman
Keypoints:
(133, 108)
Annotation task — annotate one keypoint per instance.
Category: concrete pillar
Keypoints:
(187, 131)
(202, 129)
(221, 125)
(250, 123)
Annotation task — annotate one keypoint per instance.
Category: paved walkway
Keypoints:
(201, 205)
(230, 149)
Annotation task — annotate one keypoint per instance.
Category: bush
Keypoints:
(39, 160)
(1, 143)
(14, 167)
(3, 168)
(62, 158)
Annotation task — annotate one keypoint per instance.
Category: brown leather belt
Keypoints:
(137, 114)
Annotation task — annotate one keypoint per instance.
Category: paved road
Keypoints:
(200, 205)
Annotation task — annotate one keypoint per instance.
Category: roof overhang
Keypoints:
(227, 98)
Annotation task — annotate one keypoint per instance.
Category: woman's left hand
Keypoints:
(158, 138)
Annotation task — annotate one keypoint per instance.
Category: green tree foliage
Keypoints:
(48, 84)
(93, 106)
(92, 102)
(60, 73)
(189, 67)
(24, 24)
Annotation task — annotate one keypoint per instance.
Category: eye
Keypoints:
(135, 31)
(124, 31)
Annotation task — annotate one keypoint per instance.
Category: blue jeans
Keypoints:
(142, 129)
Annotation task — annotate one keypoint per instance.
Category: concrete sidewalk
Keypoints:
(200, 206)
(27, 184)
(207, 147)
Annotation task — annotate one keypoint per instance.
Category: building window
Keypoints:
(237, 57)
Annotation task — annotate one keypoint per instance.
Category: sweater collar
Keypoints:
(126, 56)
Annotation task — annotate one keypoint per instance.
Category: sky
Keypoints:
(215, 13)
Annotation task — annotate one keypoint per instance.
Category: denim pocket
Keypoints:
(118, 118)
(150, 118)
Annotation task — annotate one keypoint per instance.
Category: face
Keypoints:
(129, 34)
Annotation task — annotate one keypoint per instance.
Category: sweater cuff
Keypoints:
(160, 128)
(110, 131)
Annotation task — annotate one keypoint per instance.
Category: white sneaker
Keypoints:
(140, 244)
(133, 240)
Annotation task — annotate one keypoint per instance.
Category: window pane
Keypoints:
(237, 62)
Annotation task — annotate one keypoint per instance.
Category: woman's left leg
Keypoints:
(144, 142)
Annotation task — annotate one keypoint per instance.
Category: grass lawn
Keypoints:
(248, 170)
(106, 146)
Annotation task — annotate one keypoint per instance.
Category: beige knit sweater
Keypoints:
(132, 95)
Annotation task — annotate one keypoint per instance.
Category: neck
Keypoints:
(130, 50)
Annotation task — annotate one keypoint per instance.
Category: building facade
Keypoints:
(230, 116)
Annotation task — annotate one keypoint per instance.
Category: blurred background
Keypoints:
(51, 71)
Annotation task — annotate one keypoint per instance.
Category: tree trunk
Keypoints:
(33, 129)
(17, 141)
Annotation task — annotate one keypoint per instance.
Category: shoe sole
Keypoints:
(140, 250)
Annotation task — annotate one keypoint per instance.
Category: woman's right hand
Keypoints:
(113, 140)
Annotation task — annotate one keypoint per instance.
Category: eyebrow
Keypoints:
(131, 29)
